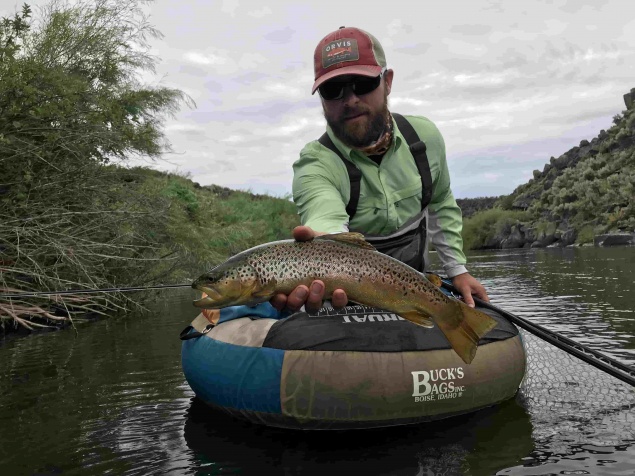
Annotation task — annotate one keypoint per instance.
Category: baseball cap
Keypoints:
(347, 50)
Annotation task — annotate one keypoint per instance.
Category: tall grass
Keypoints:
(149, 228)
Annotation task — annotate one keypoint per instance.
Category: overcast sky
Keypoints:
(509, 84)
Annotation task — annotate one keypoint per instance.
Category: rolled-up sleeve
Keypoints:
(445, 222)
(320, 204)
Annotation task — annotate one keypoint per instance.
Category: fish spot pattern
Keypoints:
(290, 263)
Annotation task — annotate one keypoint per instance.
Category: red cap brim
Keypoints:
(359, 69)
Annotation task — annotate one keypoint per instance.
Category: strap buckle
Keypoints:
(186, 333)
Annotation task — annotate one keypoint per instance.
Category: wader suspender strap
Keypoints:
(354, 175)
(417, 149)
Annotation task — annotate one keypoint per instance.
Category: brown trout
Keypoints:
(343, 261)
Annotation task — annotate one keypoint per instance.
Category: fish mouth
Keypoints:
(205, 303)
(212, 298)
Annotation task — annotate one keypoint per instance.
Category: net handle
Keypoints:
(590, 356)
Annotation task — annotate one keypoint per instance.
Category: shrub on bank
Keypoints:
(481, 230)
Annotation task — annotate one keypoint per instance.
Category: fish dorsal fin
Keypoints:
(350, 238)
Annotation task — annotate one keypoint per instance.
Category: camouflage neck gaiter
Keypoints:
(381, 145)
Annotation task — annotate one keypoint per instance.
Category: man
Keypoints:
(363, 176)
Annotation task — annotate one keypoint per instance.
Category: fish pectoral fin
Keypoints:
(434, 279)
(417, 318)
(269, 289)
(354, 239)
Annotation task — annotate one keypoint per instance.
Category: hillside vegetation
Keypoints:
(587, 191)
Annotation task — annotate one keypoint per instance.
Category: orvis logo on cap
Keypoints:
(339, 51)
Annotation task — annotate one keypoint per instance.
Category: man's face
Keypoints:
(358, 121)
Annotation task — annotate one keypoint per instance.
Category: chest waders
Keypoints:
(408, 242)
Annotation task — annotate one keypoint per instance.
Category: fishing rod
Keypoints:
(592, 357)
(91, 291)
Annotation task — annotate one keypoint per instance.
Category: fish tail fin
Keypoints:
(464, 326)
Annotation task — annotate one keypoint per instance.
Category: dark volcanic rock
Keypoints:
(616, 239)
(568, 237)
(516, 239)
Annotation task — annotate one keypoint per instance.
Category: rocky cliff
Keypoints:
(585, 194)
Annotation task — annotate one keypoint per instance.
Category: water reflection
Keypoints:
(468, 444)
(583, 293)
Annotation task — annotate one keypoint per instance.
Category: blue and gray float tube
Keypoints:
(356, 367)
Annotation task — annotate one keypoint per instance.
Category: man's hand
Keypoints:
(467, 285)
(311, 298)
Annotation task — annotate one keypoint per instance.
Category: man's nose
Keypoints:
(349, 96)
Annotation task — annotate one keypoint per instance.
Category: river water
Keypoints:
(111, 398)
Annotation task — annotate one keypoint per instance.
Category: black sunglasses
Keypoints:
(360, 85)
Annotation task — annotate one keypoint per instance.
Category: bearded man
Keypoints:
(374, 172)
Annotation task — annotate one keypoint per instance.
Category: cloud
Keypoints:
(229, 6)
(224, 63)
(580, 5)
(180, 127)
(260, 13)
(490, 122)
(296, 125)
(508, 86)
(416, 48)
(249, 78)
(471, 30)
(272, 90)
(280, 36)
(234, 139)
(398, 101)
(460, 48)
(205, 59)
(484, 79)
(397, 27)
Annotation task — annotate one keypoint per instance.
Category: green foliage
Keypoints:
(248, 221)
(586, 235)
(71, 103)
(206, 227)
(599, 189)
(183, 194)
(71, 214)
(12, 31)
(544, 228)
(506, 202)
(483, 227)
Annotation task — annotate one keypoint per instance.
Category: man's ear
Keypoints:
(388, 75)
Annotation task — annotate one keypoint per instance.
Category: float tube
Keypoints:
(356, 367)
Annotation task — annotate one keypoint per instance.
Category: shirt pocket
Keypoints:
(407, 200)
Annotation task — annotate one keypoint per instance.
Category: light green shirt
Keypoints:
(390, 193)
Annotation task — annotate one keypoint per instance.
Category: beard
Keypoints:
(363, 133)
